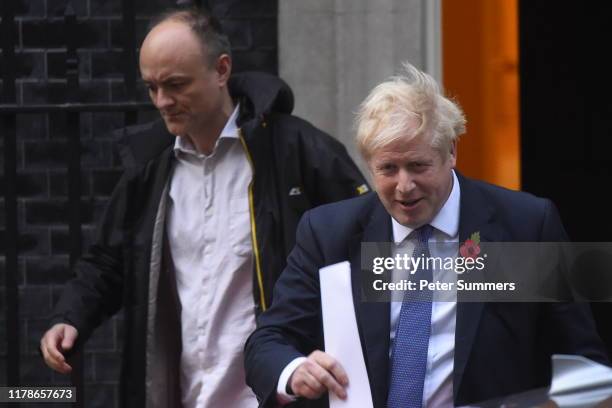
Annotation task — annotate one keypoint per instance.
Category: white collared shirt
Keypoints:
(438, 386)
(209, 233)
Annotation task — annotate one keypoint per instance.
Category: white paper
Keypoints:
(579, 382)
(342, 336)
(577, 373)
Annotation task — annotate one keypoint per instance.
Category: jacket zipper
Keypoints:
(262, 298)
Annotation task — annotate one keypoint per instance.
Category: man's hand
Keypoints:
(55, 342)
(318, 374)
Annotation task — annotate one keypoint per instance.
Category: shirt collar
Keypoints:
(446, 220)
(231, 127)
(230, 131)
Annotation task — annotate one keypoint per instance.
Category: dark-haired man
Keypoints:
(200, 223)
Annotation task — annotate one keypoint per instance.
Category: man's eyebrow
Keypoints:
(175, 77)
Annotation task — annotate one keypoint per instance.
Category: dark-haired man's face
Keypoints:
(183, 86)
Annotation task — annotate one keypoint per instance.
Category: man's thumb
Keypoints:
(70, 335)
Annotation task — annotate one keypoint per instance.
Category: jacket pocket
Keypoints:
(240, 226)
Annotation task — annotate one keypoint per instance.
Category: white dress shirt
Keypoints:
(209, 234)
(438, 386)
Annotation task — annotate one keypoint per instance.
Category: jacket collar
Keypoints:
(259, 94)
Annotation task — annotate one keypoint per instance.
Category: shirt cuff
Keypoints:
(281, 389)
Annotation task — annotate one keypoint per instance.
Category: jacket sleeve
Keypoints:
(96, 291)
(291, 327)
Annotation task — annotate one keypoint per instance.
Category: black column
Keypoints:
(566, 117)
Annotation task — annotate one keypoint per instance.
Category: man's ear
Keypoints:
(453, 153)
(224, 68)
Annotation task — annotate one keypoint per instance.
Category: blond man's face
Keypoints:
(412, 179)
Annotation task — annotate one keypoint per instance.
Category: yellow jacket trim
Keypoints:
(262, 297)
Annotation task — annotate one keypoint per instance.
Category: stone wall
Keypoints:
(41, 162)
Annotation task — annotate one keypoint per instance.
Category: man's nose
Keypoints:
(162, 99)
(405, 182)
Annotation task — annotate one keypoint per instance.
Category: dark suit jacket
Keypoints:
(500, 348)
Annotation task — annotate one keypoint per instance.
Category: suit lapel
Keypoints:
(372, 317)
(476, 215)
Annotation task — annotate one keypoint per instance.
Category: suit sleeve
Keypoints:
(291, 327)
(569, 326)
(95, 293)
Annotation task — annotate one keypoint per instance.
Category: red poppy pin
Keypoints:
(471, 246)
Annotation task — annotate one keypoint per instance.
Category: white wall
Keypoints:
(333, 52)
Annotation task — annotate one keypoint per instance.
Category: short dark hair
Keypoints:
(204, 25)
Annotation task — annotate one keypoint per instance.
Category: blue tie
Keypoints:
(409, 358)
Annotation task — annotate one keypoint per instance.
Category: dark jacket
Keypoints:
(295, 167)
(500, 348)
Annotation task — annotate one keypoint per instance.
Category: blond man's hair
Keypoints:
(406, 106)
